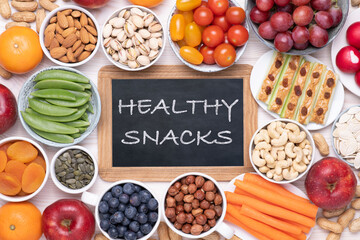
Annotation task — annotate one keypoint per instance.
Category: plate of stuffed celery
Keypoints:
(297, 87)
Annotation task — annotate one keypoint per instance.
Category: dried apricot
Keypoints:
(9, 184)
(39, 160)
(16, 168)
(22, 193)
(22, 151)
(32, 178)
(5, 146)
(3, 160)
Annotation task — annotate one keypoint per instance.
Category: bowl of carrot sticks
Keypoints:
(259, 209)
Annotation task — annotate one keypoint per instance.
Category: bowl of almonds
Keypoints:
(69, 36)
(132, 38)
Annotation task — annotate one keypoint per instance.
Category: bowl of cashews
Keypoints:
(282, 151)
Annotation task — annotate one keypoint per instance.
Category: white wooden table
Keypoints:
(254, 50)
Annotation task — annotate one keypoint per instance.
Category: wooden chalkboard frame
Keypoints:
(109, 173)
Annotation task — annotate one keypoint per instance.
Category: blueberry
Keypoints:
(107, 196)
(113, 202)
(135, 200)
(121, 231)
(129, 188)
(142, 218)
(116, 191)
(104, 216)
(129, 235)
(146, 228)
(143, 208)
(122, 207)
(134, 226)
(113, 210)
(105, 224)
(153, 217)
(139, 234)
(113, 232)
(117, 217)
(124, 198)
(130, 212)
(152, 204)
(103, 207)
(145, 196)
(125, 222)
(137, 188)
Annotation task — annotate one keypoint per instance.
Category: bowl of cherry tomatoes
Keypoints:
(208, 36)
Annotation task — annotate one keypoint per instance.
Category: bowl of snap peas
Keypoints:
(59, 106)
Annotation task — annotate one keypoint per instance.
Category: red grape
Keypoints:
(301, 46)
(303, 15)
(318, 36)
(282, 3)
(288, 8)
(321, 5)
(283, 42)
(300, 35)
(281, 21)
(300, 2)
(265, 5)
(258, 16)
(336, 14)
(266, 31)
(324, 19)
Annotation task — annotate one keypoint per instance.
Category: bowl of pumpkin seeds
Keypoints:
(74, 169)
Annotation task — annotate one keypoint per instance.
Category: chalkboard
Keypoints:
(167, 120)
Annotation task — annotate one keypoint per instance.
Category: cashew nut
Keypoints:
(263, 135)
(304, 143)
(299, 154)
(281, 141)
(299, 167)
(274, 151)
(293, 127)
(290, 174)
(280, 127)
(281, 155)
(278, 177)
(280, 165)
(264, 169)
(263, 145)
(289, 150)
(257, 160)
(297, 138)
(271, 165)
(272, 130)
(268, 158)
(270, 173)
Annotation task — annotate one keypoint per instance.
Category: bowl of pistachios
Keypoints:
(132, 38)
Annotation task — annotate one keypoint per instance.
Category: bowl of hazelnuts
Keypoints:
(195, 206)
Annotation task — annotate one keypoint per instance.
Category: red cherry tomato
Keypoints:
(226, 40)
(208, 54)
(204, 4)
(238, 35)
(203, 16)
(218, 7)
(221, 22)
(213, 36)
(235, 15)
(224, 55)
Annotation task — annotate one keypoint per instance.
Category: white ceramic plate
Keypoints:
(258, 75)
(340, 41)
(241, 232)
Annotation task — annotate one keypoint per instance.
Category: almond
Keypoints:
(50, 28)
(79, 50)
(53, 19)
(58, 29)
(68, 31)
(70, 55)
(91, 30)
(70, 21)
(91, 23)
(83, 56)
(67, 12)
(76, 14)
(77, 24)
(77, 34)
(62, 21)
(54, 44)
(76, 45)
(89, 47)
(84, 36)
(83, 20)
(69, 40)
(58, 52)
(59, 38)
(64, 59)
(49, 36)
(93, 39)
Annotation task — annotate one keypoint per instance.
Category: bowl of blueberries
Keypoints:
(126, 210)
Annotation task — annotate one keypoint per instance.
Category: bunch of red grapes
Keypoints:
(296, 23)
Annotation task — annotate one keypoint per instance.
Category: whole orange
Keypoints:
(20, 49)
(146, 3)
(20, 221)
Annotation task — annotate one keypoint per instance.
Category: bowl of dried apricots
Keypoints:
(24, 169)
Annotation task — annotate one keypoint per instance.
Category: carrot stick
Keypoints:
(230, 218)
(304, 229)
(271, 221)
(301, 207)
(300, 236)
(258, 226)
(258, 180)
(242, 192)
(269, 209)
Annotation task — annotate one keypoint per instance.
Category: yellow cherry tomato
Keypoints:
(192, 35)
(191, 55)
(188, 16)
(177, 27)
(187, 5)
(181, 43)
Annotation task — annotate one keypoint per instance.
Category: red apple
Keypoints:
(330, 183)
(8, 109)
(68, 219)
(91, 3)
(348, 59)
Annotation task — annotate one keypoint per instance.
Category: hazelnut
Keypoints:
(199, 181)
(212, 206)
(200, 195)
(210, 196)
(194, 222)
(192, 188)
(179, 209)
(177, 185)
(206, 227)
(218, 199)
(170, 202)
(179, 197)
(195, 203)
(170, 212)
(181, 218)
(188, 198)
(197, 211)
(184, 189)
(204, 204)
(212, 222)
(178, 225)
(190, 179)
(172, 219)
(196, 229)
(183, 181)
(201, 219)
(218, 210)
(186, 228)
(208, 186)
(210, 213)
(187, 207)
(173, 191)
(189, 218)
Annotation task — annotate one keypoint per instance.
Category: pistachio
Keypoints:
(124, 14)
(107, 42)
(145, 34)
(144, 50)
(115, 56)
(122, 55)
(160, 42)
(148, 18)
(153, 44)
(107, 31)
(129, 31)
(115, 44)
(143, 60)
(131, 54)
(136, 11)
(156, 35)
(153, 54)
(121, 36)
(133, 64)
(137, 21)
(127, 43)
(154, 27)
(117, 22)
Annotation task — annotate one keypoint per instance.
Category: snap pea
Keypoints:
(78, 123)
(62, 84)
(61, 75)
(82, 129)
(54, 94)
(85, 85)
(55, 137)
(85, 117)
(90, 108)
(88, 92)
(76, 135)
(47, 126)
(50, 110)
(63, 103)
(69, 118)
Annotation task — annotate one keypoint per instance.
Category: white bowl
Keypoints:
(64, 188)
(43, 153)
(123, 66)
(308, 136)
(46, 23)
(205, 67)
